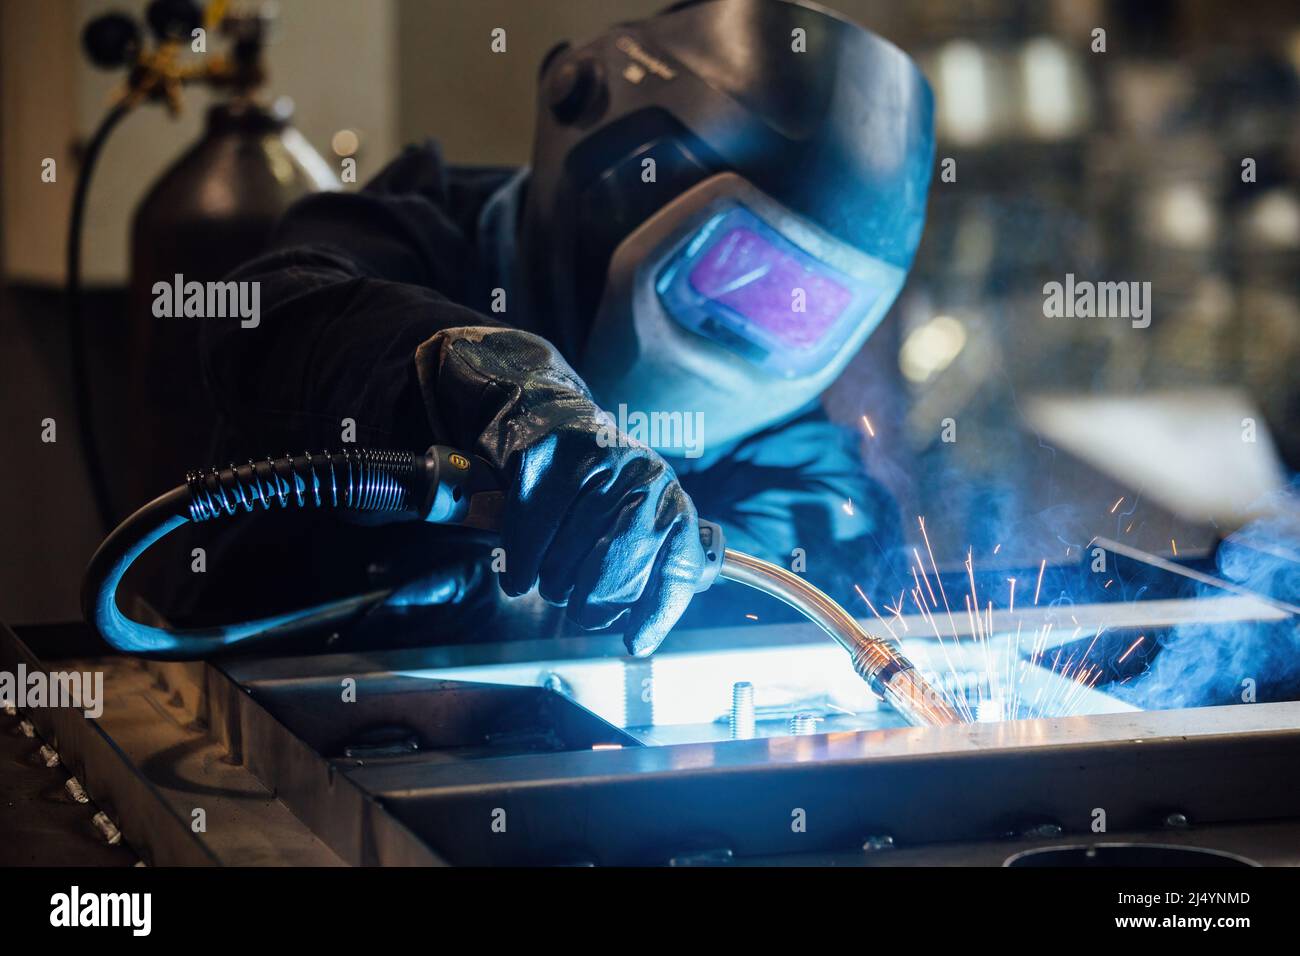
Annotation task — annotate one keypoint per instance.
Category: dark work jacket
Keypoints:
(351, 286)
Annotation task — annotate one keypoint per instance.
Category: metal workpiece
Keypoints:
(889, 674)
(973, 782)
(444, 738)
(151, 759)
(535, 753)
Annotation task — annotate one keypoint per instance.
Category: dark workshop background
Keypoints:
(1115, 166)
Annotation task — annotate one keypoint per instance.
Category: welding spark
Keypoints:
(1140, 639)
(930, 551)
(752, 617)
(897, 610)
(866, 422)
(848, 507)
(997, 548)
(1100, 628)
(875, 612)
(1116, 504)
(1174, 544)
(934, 602)
(1001, 686)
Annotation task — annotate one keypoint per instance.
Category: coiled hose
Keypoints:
(439, 485)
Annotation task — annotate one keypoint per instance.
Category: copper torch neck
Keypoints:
(889, 674)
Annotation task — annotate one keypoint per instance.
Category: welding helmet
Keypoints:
(724, 202)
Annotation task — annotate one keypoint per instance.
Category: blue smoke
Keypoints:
(1215, 662)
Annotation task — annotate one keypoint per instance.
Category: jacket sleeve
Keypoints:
(351, 286)
(801, 485)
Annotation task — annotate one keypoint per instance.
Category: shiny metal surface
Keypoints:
(971, 782)
(888, 672)
(686, 692)
(965, 793)
(597, 757)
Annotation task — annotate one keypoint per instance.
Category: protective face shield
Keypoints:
(728, 306)
(724, 205)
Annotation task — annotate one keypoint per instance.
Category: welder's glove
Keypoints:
(602, 527)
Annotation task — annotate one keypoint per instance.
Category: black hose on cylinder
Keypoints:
(81, 391)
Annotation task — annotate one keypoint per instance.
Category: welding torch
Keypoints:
(442, 486)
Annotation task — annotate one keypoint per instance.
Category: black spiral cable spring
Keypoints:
(440, 485)
(360, 479)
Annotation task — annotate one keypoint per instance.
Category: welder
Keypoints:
(723, 202)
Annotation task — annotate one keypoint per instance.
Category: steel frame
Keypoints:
(922, 788)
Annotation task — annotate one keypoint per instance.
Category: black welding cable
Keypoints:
(81, 396)
(356, 480)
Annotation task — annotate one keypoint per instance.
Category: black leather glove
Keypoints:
(601, 527)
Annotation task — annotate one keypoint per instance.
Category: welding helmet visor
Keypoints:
(771, 287)
(727, 304)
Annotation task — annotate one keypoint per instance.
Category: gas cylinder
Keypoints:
(211, 211)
